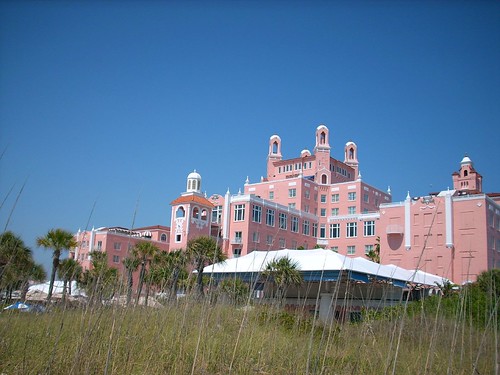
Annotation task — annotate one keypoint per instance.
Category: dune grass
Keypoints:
(196, 337)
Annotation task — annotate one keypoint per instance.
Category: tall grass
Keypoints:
(202, 338)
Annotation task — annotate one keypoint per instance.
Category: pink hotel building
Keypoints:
(316, 200)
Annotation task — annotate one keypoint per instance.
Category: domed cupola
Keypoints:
(193, 182)
(466, 161)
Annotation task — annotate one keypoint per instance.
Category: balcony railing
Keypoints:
(236, 240)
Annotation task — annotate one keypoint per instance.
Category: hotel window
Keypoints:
(369, 228)
(368, 248)
(335, 248)
(295, 224)
(335, 230)
(178, 238)
(239, 212)
(305, 227)
(322, 212)
(315, 230)
(322, 231)
(351, 210)
(163, 237)
(270, 217)
(292, 193)
(99, 245)
(282, 243)
(271, 195)
(335, 211)
(351, 196)
(256, 237)
(366, 198)
(307, 194)
(291, 205)
(269, 239)
(352, 229)
(116, 259)
(283, 220)
(323, 198)
(256, 214)
(236, 253)
(217, 214)
(117, 246)
(351, 250)
(306, 208)
(335, 198)
(238, 237)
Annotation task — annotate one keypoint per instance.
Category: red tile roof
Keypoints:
(190, 199)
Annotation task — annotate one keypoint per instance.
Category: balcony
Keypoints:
(236, 241)
(394, 229)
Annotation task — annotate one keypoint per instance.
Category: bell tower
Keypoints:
(322, 155)
(351, 156)
(467, 179)
(191, 214)
(274, 155)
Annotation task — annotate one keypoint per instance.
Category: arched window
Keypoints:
(466, 173)
(180, 212)
(351, 153)
(204, 215)
(275, 147)
(322, 138)
(324, 179)
(163, 237)
(196, 213)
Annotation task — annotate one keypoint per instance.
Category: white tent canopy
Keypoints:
(323, 264)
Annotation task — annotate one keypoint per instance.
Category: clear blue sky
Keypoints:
(111, 104)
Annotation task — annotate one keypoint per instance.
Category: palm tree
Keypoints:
(374, 254)
(58, 240)
(17, 266)
(13, 255)
(69, 270)
(131, 264)
(100, 281)
(284, 272)
(178, 261)
(144, 251)
(166, 270)
(203, 251)
(35, 272)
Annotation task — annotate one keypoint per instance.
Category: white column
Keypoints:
(448, 209)
(77, 248)
(408, 222)
(227, 215)
(91, 241)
